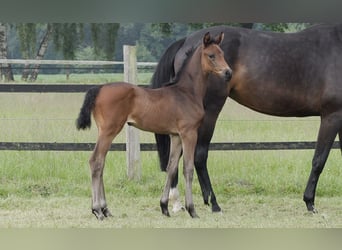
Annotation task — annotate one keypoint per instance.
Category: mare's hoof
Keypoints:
(215, 208)
(166, 213)
(311, 207)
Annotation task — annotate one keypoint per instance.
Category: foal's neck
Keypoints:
(193, 77)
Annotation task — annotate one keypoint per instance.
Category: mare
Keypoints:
(281, 74)
(175, 110)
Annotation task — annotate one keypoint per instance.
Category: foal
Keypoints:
(176, 109)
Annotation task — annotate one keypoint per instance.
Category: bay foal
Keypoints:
(176, 109)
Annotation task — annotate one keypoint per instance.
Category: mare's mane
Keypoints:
(188, 55)
(175, 79)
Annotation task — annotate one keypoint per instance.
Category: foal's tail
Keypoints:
(162, 76)
(84, 120)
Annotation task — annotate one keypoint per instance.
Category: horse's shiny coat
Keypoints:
(176, 110)
(297, 74)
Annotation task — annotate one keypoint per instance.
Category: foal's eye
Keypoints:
(211, 56)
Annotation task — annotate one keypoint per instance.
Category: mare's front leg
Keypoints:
(189, 143)
(172, 170)
(97, 162)
(330, 126)
(205, 133)
(201, 156)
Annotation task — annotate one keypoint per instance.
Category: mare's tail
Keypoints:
(84, 120)
(162, 75)
(340, 138)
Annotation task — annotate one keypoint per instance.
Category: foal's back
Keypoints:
(164, 110)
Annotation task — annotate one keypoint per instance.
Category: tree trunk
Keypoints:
(41, 52)
(26, 72)
(5, 68)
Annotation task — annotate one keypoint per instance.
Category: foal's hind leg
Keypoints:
(172, 167)
(189, 143)
(96, 162)
(330, 125)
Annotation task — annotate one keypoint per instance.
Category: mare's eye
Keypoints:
(211, 56)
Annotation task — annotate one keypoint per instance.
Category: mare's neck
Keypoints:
(193, 78)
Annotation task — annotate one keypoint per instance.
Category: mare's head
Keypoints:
(212, 58)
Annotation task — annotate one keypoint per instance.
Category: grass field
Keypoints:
(254, 188)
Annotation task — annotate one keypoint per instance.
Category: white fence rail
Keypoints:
(72, 62)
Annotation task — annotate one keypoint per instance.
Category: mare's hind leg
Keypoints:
(330, 126)
(172, 169)
(96, 162)
(340, 138)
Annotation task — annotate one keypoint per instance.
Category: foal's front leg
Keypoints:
(189, 143)
(172, 167)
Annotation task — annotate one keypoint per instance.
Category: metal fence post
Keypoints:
(132, 134)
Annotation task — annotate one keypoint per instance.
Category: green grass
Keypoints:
(254, 188)
(87, 78)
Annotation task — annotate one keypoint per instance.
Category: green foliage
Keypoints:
(103, 38)
(89, 53)
(27, 33)
(66, 37)
(144, 54)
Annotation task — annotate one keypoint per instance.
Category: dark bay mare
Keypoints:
(176, 110)
(297, 74)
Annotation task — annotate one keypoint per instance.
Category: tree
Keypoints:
(104, 38)
(67, 38)
(27, 36)
(41, 51)
(5, 68)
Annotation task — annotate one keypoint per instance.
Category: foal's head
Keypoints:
(212, 58)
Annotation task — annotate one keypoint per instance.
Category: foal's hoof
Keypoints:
(98, 214)
(106, 212)
(101, 214)
(164, 209)
(192, 212)
(194, 215)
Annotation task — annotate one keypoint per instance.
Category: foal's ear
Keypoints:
(219, 38)
(206, 39)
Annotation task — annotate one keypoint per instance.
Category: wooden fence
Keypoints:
(132, 145)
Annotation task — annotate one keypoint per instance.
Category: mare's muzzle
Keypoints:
(228, 75)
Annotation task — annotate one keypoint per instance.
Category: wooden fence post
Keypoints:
(132, 134)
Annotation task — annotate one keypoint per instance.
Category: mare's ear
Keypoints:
(219, 38)
(206, 39)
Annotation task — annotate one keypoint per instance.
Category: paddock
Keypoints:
(51, 188)
(254, 160)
